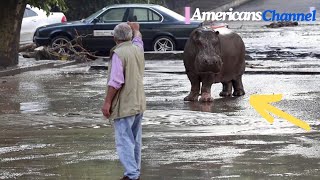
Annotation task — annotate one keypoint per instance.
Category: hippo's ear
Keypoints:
(196, 35)
(217, 32)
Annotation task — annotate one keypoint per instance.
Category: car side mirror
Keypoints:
(95, 21)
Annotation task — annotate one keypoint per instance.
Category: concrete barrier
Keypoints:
(171, 55)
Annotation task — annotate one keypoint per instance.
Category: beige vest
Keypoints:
(130, 99)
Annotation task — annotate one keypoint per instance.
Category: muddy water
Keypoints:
(51, 128)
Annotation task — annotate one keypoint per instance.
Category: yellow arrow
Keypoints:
(261, 104)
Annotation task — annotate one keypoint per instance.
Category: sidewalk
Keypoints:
(171, 62)
(30, 64)
(253, 67)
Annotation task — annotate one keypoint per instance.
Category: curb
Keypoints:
(172, 55)
(19, 70)
(284, 72)
(233, 4)
(250, 72)
(65, 64)
(154, 55)
(254, 72)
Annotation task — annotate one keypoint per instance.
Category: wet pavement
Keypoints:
(52, 127)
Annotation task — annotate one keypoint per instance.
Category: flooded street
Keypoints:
(52, 126)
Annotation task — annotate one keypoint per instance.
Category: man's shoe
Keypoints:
(127, 178)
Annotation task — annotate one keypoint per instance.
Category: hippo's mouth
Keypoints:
(208, 73)
(208, 63)
(209, 68)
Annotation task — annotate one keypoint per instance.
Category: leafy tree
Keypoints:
(11, 14)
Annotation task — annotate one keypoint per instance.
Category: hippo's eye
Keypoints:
(215, 42)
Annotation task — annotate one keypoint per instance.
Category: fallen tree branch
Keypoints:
(27, 47)
(72, 50)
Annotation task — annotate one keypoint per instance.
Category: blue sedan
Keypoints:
(162, 28)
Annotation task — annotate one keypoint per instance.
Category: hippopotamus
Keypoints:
(213, 56)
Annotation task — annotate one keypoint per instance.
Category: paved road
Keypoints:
(52, 128)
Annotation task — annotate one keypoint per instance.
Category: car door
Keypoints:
(101, 37)
(29, 25)
(150, 22)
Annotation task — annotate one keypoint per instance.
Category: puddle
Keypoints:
(27, 107)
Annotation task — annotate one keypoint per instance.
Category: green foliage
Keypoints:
(48, 4)
(79, 9)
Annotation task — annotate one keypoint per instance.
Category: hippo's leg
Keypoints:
(238, 87)
(227, 89)
(207, 82)
(195, 87)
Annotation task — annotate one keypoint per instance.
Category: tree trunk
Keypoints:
(11, 13)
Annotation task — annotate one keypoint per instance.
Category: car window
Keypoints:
(29, 13)
(154, 16)
(145, 15)
(171, 13)
(113, 15)
(94, 15)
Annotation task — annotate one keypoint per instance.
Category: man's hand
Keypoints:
(108, 101)
(135, 29)
(106, 109)
(134, 26)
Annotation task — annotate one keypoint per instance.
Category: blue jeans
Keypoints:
(128, 132)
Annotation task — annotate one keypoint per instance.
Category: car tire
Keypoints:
(164, 43)
(60, 41)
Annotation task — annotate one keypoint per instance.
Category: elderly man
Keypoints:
(125, 101)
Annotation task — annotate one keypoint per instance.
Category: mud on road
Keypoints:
(51, 127)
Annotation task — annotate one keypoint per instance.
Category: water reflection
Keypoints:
(200, 106)
(220, 105)
(7, 90)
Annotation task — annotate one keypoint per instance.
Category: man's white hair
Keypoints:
(122, 32)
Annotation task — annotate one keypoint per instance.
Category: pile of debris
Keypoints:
(282, 24)
(72, 50)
